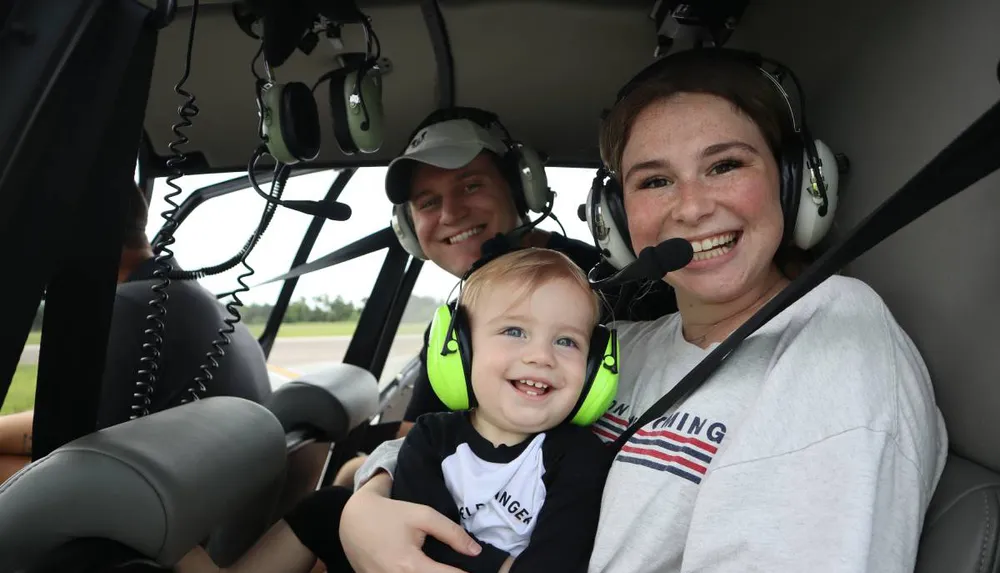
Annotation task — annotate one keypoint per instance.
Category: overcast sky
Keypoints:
(217, 229)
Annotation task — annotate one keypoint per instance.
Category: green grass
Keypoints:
(21, 395)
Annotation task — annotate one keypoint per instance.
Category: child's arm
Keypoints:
(419, 479)
(278, 550)
(567, 523)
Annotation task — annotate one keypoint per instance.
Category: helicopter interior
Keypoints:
(889, 85)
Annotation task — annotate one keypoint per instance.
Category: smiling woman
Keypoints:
(707, 150)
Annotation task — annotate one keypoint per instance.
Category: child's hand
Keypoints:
(382, 535)
(507, 564)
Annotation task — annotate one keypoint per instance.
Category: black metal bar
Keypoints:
(38, 38)
(116, 52)
(395, 315)
(442, 51)
(44, 135)
(267, 337)
(361, 350)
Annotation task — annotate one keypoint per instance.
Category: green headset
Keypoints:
(449, 366)
(289, 119)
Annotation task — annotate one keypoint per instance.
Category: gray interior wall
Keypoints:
(547, 68)
(891, 84)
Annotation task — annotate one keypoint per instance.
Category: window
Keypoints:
(322, 316)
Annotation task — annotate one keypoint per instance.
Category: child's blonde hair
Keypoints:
(527, 269)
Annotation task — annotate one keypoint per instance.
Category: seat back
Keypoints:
(962, 526)
(157, 485)
(195, 318)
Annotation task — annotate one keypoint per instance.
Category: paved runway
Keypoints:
(305, 354)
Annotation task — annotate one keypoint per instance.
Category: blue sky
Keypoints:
(217, 229)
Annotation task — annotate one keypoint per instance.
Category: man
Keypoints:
(459, 189)
(193, 320)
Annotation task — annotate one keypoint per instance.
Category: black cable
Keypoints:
(149, 363)
(251, 242)
(232, 307)
(558, 222)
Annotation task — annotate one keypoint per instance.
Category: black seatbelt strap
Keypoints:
(970, 157)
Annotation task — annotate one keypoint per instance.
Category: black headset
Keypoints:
(520, 165)
(808, 169)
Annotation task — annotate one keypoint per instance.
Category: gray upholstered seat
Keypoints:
(158, 484)
(962, 527)
(328, 403)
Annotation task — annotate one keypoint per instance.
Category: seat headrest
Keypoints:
(157, 484)
(328, 403)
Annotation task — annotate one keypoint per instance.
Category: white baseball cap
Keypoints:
(449, 145)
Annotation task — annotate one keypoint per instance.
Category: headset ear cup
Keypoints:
(601, 385)
(791, 186)
(365, 116)
(811, 226)
(463, 332)
(446, 371)
(534, 183)
(607, 222)
(300, 121)
(338, 111)
(402, 225)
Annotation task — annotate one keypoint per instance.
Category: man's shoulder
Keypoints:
(583, 254)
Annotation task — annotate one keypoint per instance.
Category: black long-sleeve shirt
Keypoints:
(539, 500)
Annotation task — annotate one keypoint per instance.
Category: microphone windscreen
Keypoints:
(666, 257)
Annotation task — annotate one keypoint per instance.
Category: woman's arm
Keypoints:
(15, 433)
(15, 443)
(419, 479)
(382, 535)
(835, 465)
(848, 503)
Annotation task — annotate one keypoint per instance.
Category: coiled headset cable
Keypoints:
(149, 363)
(265, 220)
(282, 171)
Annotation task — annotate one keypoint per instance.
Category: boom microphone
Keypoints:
(334, 211)
(653, 263)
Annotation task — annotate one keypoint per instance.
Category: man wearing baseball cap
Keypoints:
(457, 185)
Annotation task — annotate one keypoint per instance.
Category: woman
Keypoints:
(815, 447)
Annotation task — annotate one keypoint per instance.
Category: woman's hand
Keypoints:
(382, 535)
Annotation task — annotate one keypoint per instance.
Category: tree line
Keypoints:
(318, 309)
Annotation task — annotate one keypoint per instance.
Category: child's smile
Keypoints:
(530, 357)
